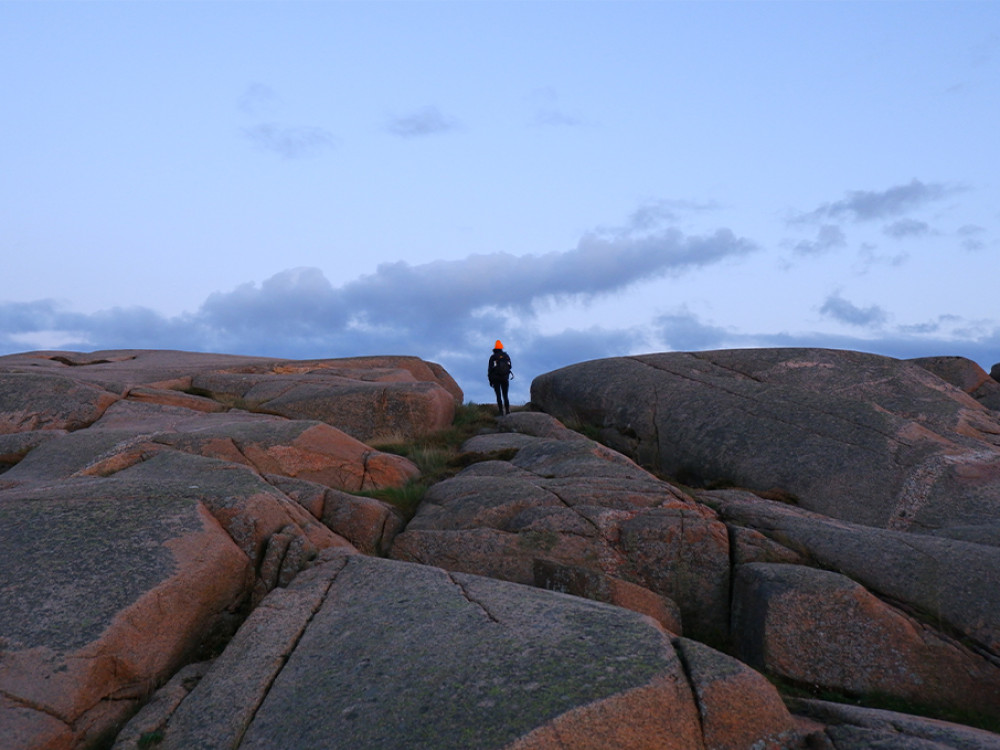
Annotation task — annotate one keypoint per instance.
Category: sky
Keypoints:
(313, 179)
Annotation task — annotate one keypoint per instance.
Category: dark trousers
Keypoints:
(500, 388)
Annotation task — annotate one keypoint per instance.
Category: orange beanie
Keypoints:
(498, 345)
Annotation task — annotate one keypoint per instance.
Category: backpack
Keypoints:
(501, 368)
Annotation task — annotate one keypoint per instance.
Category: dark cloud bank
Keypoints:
(452, 311)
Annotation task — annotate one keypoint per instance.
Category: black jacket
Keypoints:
(499, 367)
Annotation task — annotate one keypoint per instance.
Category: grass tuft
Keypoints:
(438, 455)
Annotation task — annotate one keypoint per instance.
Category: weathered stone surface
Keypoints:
(856, 644)
(965, 374)
(143, 728)
(591, 584)
(857, 728)
(15, 446)
(164, 496)
(737, 706)
(363, 396)
(369, 524)
(397, 655)
(576, 504)
(947, 582)
(854, 436)
(168, 397)
(366, 398)
(131, 591)
(313, 451)
(140, 523)
(47, 402)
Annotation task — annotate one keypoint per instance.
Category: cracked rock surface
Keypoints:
(142, 518)
(374, 653)
(572, 515)
(859, 437)
(184, 564)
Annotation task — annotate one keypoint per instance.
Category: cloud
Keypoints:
(683, 331)
(297, 314)
(444, 311)
(871, 205)
(868, 257)
(828, 237)
(904, 228)
(426, 121)
(439, 293)
(971, 236)
(947, 335)
(290, 142)
(258, 100)
(654, 214)
(839, 309)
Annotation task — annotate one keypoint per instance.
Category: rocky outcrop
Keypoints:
(965, 374)
(397, 655)
(865, 558)
(365, 397)
(858, 728)
(854, 436)
(856, 643)
(572, 515)
(140, 523)
(183, 533)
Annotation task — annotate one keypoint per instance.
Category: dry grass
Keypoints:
(437, 454)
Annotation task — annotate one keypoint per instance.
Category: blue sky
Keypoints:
(578, 179)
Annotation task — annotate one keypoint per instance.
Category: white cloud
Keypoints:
(869, 205)
(452, 311)
(842, 310)
(427, 121)
(828, 237)
(972, 237)
(904, 228)
(290, 142)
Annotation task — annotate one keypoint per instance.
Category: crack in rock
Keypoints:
(286, 655)
(465, 595)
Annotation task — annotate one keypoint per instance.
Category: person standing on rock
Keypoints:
(499, 374)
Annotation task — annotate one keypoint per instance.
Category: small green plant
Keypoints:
(150, 739)
(437, 455)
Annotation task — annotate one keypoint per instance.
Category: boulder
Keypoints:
(863, 438)
(952, 584)
(363, 396)
(571, 514)
(313, 451)
(857, 645)
(858, 728)
(141, 523)
(48, 402)
(737, 706)
(105, 592)
(397, 655)
(965, 374)
(366, 397)
(366, 522)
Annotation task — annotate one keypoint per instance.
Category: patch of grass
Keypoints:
(151, 739)
(437, 455)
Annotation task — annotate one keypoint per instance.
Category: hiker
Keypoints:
(499, 374)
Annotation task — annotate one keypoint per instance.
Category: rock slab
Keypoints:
(141, 519)
(363, 652)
